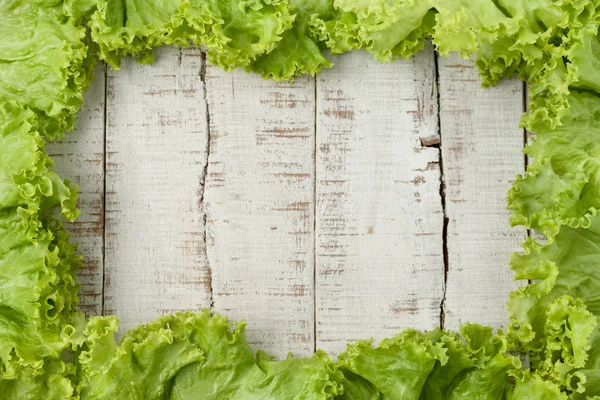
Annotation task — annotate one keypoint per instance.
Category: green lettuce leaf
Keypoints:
(555, 318)
(38, 290)
(493, 366)
(193, 356)
(397, 367)
(532, 387)
(389, 30)
(434, 365)
(130, 27)
(44, 62)
(299, 52)
(562, 185)
(53, 381)
(235, 32)
(462, 25)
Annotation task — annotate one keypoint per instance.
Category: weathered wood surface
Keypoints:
(380, 262)
(260, 206)
(311, 209)
(80, 158)
(481, 152)
(156, 152)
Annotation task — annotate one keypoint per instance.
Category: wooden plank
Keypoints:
(481, 155)
(156, 142)
(260, 206)
(380, 264)
(79, 157)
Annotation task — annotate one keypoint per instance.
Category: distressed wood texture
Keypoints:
(380, 264)
(322, 219)
(80, 158)
(481, 152)
(156, 152)
(260, 206)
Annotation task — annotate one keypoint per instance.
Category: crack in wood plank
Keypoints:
(322, 207)
(481, 145)
(260, 206)
(438, 144)
(379, 217)
(155, 159)
(209, 277)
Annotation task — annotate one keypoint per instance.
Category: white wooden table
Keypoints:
(311, 209)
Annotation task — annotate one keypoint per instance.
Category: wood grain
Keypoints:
(260, 206)
(79, 157)
(481, 153)
(380, 264)
(156, 142)
(322, 220)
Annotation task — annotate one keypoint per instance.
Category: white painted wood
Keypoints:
(380, 264)
(156, 154)
(260, 206)
(373, 239)
(481, 153)
(79, 157)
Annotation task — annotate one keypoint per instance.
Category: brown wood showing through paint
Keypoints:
(79, 157)
(321, 211)
(379, 264)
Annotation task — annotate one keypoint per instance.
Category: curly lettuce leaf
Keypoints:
(434, 365)
(562, 185)
(79, 10)
(193, 356)
(38, 289)
(397, 367)
(130, 27)
(494, 364)
(54, 381)
(44, 62)
(235, 32)
(585, 57)
(387, 29)
(141, 367)
(38, 294)
(532, 387)
(555, 318)
(298, 52)
(316, 378)
(462, 25)
(27, 180)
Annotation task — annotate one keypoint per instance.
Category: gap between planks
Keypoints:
(203, 180)
(442, 191)
(314, 194)
(105, 70)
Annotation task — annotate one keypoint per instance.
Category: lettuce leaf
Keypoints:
(555, 318)
(299, 52)
(44, 62)
(128, 27)
(388, 30)
(561, 186)
(53, 381)
(48, 350)
(532, 387)
(434, 365)
(194, 356)
(38, 290)
(235, 32)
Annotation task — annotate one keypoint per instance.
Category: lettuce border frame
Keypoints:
(47, 56)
